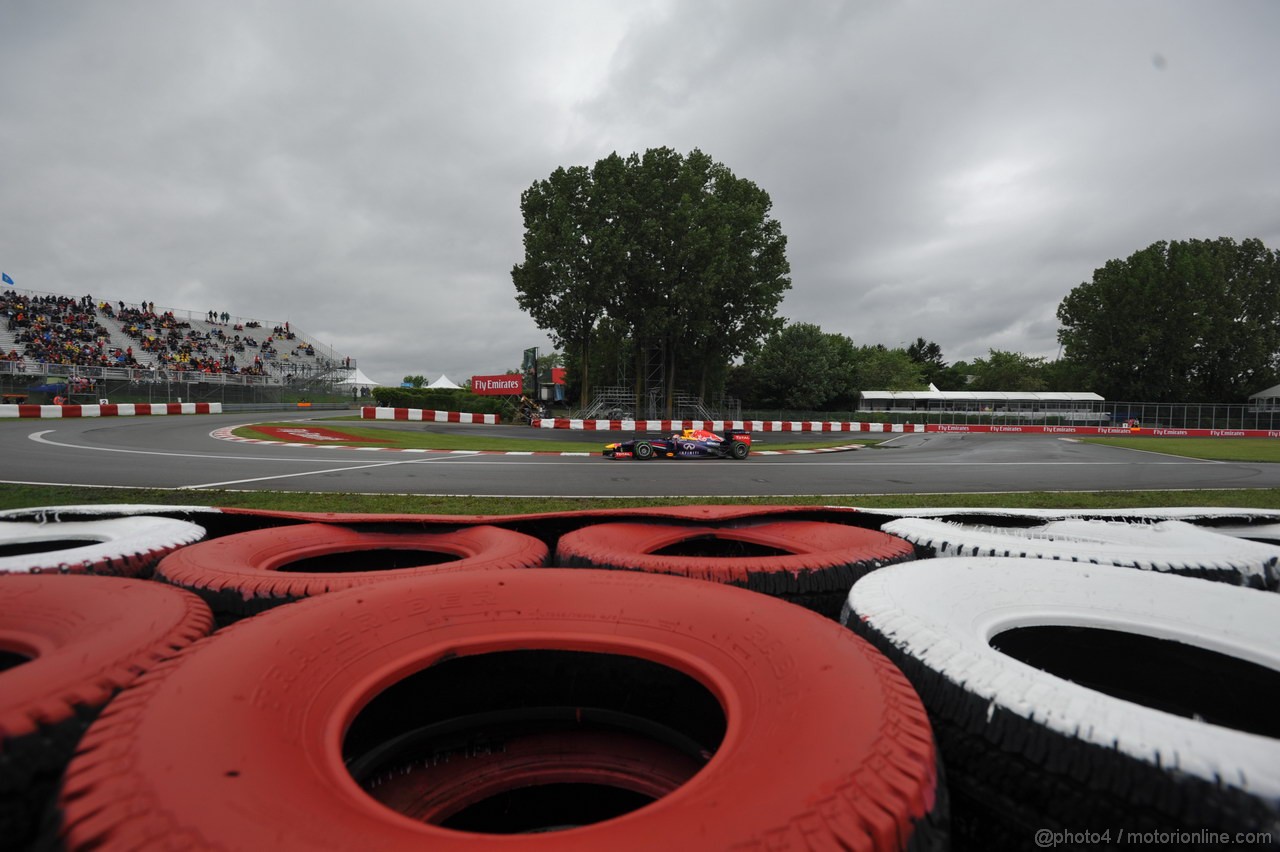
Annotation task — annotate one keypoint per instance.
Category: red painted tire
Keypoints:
(810, 563)
(126, 547)
(249, 572)
(67, 644)
(436, 793)
(245, 742)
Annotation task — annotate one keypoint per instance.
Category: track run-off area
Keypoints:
(184, 452)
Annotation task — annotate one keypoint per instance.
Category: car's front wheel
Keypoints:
(643, 450)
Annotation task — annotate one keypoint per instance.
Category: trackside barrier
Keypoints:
(724, 425)
(124, 409)
(1108, 430)
(839, 426)
(372, 413)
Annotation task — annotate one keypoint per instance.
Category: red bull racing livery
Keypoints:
(688, 444)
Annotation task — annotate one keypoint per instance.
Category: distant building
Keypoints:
(1265, 400)
(1030, 404)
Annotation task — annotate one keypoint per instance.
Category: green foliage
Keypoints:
(28, 496)
(651, 256)
(1195, 320)
(441, 399)
(933, 369)
(801, 367)
(879, 368)
(416, 381)
(1007, 371)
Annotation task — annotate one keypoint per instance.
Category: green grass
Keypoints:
(415, 440)
(1215, 449)
(1225, 449)
(23, 496)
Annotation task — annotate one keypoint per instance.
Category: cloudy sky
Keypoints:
(941, 170)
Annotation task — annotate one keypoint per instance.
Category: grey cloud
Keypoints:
(941, 170)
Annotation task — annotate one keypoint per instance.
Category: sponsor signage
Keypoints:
(497, 385)
(1104, 430)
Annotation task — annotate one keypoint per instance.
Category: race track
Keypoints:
(180, 452)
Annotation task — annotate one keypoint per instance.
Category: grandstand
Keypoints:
(1029, 405)
(95, 347)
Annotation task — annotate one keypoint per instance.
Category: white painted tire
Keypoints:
(100, 511)
(1174, 547)
(128, 547)
(1026, 749)
(1201, 516)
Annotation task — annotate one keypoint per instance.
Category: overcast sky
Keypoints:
(941, 170)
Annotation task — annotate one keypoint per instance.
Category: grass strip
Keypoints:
(25, 496)
(1213, 449)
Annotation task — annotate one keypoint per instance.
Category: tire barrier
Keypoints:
(1204, 516)
(127, 546)
(67, 644)
(246, 573)
(1066, 696)
(809, 563)
(802, 734)
(1168, 546)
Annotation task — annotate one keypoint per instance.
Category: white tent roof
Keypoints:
(358, 379)
(444, 382)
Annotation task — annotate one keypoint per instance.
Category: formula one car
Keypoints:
(689, 444)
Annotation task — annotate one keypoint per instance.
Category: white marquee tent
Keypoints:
(444, 382)
(358, 379)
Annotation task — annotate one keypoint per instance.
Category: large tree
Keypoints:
(803, 368)
(1007, 371)
(561, 284)
(1180, 321)
(677, 252)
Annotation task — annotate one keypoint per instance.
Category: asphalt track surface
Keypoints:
(180, 452)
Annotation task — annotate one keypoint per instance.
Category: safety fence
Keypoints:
(124, 409)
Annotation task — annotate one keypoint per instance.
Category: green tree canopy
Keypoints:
(934, 370)
(1178, 321)
(880, 368)
(1007, 371)
(802, 367)
(675, 252)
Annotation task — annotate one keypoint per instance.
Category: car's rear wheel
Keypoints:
(643, 450)
(739, 450)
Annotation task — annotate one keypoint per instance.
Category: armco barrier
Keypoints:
(724, 425)
(124, 409)
(839, 426)
(371, 413)
(1106, 430)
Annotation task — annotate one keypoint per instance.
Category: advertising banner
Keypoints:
(508, 385)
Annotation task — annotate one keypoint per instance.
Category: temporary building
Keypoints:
(357, 379)
(444, 382)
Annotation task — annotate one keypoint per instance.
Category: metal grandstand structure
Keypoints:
(296, 365)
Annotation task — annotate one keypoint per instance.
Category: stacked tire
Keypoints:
(385, 682)
(1073, 698)
(812, 564)
(628, 678)
(68, 645)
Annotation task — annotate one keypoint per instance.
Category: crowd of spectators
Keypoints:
(56, 330)
(63, 330)
(176, 346)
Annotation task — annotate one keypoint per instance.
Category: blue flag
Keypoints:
(6, 278)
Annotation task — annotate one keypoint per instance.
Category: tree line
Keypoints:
(670, 266)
